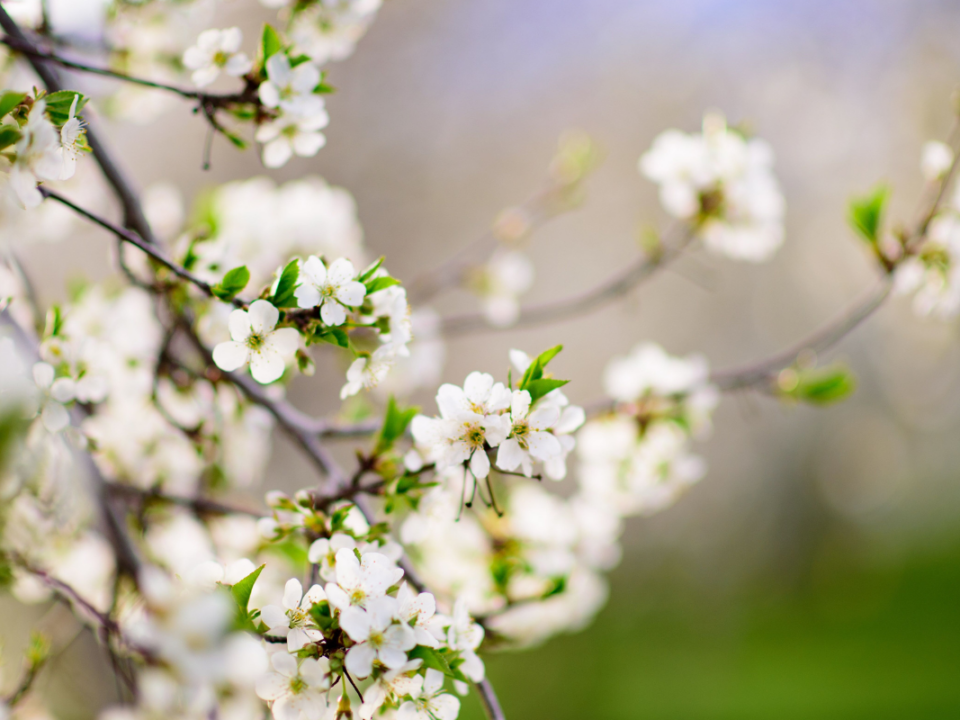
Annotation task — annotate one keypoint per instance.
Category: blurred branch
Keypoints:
(555, 311)
(575, 158)
(199, 505)
(824, 338)
(133, 216)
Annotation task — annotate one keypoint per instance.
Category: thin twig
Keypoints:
(199, 505)
(570, 307)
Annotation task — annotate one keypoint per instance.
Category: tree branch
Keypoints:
(557, 310)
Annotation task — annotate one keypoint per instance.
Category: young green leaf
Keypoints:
(284, 297)
(823, 386)
(9, 100)
(242, 590)
(540, 387)
(8, 136)
(59, 104)
(380, 283)
(535, 371)
(395, 423)
(270, 43)
(335, 336)
(233, 282)
(866, 213)
(371, 269)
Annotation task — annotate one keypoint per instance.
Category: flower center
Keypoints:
(521, 432)
(298, 617)
(297, 685)
(357, 597)
(255, 342)
(473, 434)
(376, 638)
(220, 58)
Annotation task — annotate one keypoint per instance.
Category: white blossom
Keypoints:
(70, 135)
(333, 289)
(216, 50)
(936, 160)
(529, 437)
(293, 621)
(291, 88)
(367, 371)
(291, 135)
(723, 183)
(418, 610)
(296, 691)
(257, 341)
(379, 636)
(361, 581)
(429, 701)
(468, 421)
(38, 156)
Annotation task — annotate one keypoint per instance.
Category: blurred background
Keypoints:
(815, 571)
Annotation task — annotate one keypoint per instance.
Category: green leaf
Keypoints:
(395, 423)
(242, 590)
(335, 336)
(380, 283)
(235, 139)
(299, 60)
(371, 269)
(540, 387)
(431, 659)
(9, 100)
(233, 282)
(866, 213)
(284, 297)
(821, 386)
(8, 136)
(535, 371)
(59, 104)
(270, 43)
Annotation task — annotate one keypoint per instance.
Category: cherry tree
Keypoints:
(129, 413)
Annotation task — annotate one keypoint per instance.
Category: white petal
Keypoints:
(477, 387)
(230, 356)
(284, 664)
(544, 417)
(272, 686)
(351, 293)
(277, 152)
(332, 313)
(510, 455)
(263, 316)
(55, 417)
(239, 324)
(360, 660)
(307, 296)
(284, 341)
(519, 404)
(355, 623)
(266, 366)
(43, 374)
(480, 464)
(543, 446)
(292, 592)
(445, 707)
(341, 271)
(308, 144)
(273, 616)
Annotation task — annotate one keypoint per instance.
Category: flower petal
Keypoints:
(266, 366)
(263, 316)
(230, 356)
(332, 313)
(360, 660)
(239, 324)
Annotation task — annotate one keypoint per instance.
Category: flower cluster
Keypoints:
(46, 137)
(525, 425)
(367, 625)
(723, 184)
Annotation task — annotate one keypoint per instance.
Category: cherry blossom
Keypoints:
(257, 340)
(216, 50)
(293, 619)
(333, 289)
